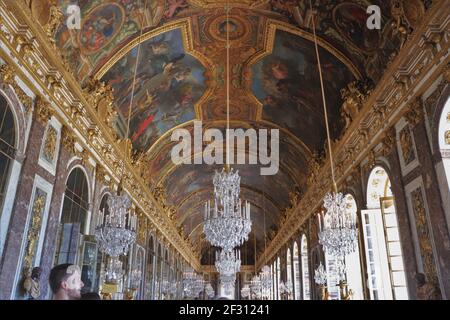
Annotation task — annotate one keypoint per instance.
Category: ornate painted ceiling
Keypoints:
(181, 77)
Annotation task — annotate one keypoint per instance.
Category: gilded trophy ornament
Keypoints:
(55, 19)
(7, 74)
(423, 234)
(34, 230)
(50, 144)
(406, 145)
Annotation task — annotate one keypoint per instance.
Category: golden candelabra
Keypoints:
(346, 293)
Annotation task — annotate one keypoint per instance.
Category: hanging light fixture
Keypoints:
(227, 224)
(320, 275)
(228, 262)
(338, 237)
(265, 277)
(116, 232)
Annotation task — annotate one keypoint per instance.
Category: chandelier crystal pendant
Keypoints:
(339, 235)
(228, 262)
(192, 283)
(320, 275)
(245, 291)
(266, 281)
(209, 291)
(256, 287)
(116, 232)
(227, 225)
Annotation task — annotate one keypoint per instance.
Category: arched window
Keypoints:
(384, 256)
(289, 269)
(165, 274)
(140, 253)
(159, 265)
(73, 217)
(7, 146)
(296, 266)
(444, 138)
(305, 269)
(352, 261)
(278, 278)
(149, 269)
(273, 270)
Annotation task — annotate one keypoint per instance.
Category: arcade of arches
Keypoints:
(69, 97)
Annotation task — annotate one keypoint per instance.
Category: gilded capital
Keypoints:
(43, 111)
(7, 74)
(68, 139)
(415, 113)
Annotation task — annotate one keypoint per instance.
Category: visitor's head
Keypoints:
(65, 282)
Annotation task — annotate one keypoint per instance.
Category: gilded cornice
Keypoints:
(42, 69)
(420, 62)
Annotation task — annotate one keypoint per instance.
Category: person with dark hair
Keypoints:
(31, 284)
(65, 282)
(90, 296)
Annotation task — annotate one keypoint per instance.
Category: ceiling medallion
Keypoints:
(238, 28)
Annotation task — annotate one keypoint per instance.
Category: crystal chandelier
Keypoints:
(286, 289)
(193, 283)
(116, 231)
(266, 279)
(168, 288)
(245, 292)
(228, 262)
(114, 271)
(209, 291)
(256, 287)
(320, 275)
(339, 235)
(228, 224)
(135, 278)
(228, 282)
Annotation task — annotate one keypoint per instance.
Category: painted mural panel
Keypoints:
(168, 84)
(107, 26)
(287, 81)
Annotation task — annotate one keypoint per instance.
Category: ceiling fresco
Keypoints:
(181, 77)
(168, 84)
(343, 25)
(287, 82)
(109, 25)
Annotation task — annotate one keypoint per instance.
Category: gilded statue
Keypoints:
(313, 169)
(406, 145)
(54, 21)
(31, 284)
(353, 96)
